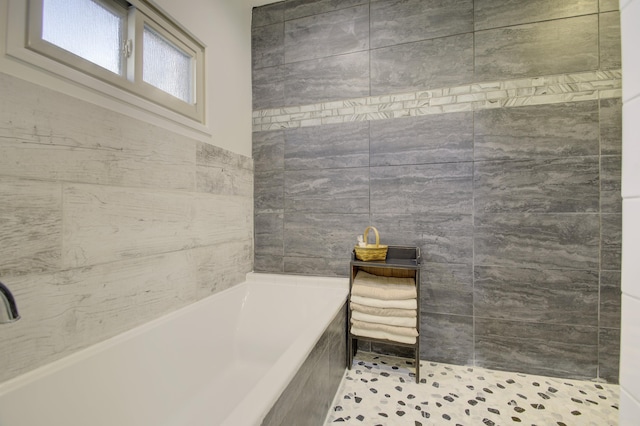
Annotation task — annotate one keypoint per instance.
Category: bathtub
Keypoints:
(230, 359)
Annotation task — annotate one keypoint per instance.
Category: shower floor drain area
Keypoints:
(381, 390)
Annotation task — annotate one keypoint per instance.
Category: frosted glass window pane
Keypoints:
(85, 28)
(166, 66)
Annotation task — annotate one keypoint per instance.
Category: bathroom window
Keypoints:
(128, 44)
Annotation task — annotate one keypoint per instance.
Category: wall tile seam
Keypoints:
(285, 9)
(593, 326)
(473, 28)
(65, 269)
(576, 87)
(595, 12)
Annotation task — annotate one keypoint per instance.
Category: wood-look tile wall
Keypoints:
(107, 222)
(513, 196)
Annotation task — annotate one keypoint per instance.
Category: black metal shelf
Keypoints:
(401, 262)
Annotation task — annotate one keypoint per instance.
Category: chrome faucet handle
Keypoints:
(10, 311)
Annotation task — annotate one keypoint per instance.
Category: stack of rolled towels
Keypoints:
(384, 308)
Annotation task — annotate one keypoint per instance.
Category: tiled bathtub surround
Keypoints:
(312, 389)
(490, 138)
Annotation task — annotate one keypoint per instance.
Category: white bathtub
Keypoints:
(222, 361)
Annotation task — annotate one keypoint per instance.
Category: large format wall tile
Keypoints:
(268, 192)
(611, 239)
(527, 240)
(422, 65)
(446, 338)
(327, 190)
(327, 79)
(446, 288)
(611, 126)
(559, 130)
(442, 238)
(551, 47)
(536, 295)
(328, 34)
(385, 349)
(221, 219)
(329, 236)
(221, 266)
(609, 354)
(547, 186)
(395, 22)
(268, 14)
(299, 8)
(30, 226)
(267, 46)
(268, 238)
(610, 48)
(224, 180)
(222, 172)
(328, 146)
(431, 188)
(546, 349)
(268, 150)
(97, 217)
(314, 265)
(610, 184)
(421, 140)
(51, 136)
(91, 304)
(268, 264)
(500, 13)
(609, 5)
(610, 299)
(268, 87)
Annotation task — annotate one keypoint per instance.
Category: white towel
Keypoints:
(379, 303)
(391, 329)
(386, 288)
(382, 335)
(384, 312)
(398, 321)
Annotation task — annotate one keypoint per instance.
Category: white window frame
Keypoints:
(33, 49)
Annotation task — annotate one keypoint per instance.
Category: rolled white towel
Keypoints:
(397, 321)
(392, 329)
(384, 312)
(379, 303)
(386, 288)
(382, 335)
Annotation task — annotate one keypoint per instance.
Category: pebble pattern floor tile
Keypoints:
(381, 390)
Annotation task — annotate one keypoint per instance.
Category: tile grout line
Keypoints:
(600, 230)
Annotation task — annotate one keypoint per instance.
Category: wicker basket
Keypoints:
(375, 251)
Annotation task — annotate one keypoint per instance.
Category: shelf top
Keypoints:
(397, 257)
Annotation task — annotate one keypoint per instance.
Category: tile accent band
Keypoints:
(552, 89)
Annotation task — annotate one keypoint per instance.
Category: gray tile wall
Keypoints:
(516, 209)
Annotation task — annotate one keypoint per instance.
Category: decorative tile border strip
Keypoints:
(469, 97)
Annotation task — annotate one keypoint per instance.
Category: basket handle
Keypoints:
(366, 235)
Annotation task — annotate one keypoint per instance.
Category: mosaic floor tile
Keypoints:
(381, 390)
